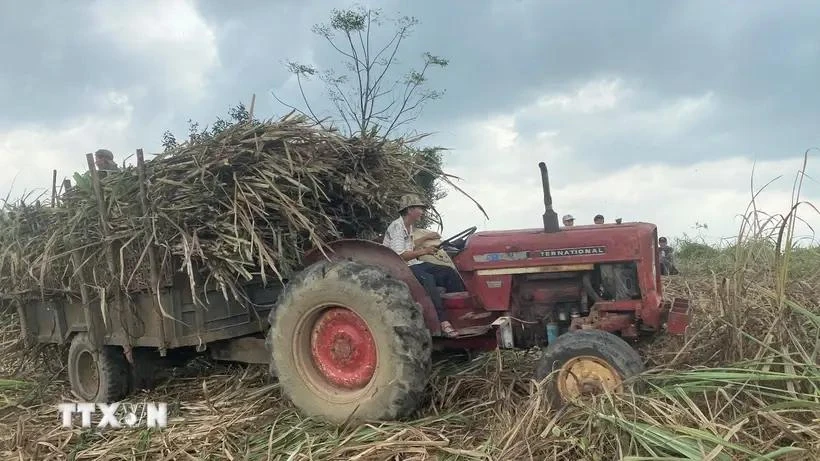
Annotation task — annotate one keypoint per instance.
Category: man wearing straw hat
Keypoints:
(399, 238)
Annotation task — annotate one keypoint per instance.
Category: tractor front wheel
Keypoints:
(348, 341)
(587, 362)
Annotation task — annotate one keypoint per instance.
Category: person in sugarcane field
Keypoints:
(104, 159)
(399, 238)
(667, 258)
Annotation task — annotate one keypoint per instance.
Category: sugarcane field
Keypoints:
(427, 231)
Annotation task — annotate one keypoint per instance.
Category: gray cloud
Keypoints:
(696, 80)
(50, 61)
(58, 56)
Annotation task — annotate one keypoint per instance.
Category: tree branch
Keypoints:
(342, 113)
(339, 50)
(343, 98)
(369, 66)
(378, 114)
(362, 100)
(390, 60)
(415, 83)
(288, 105)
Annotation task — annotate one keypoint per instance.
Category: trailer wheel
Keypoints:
(349, 342)
(587, 362)
(102, 376)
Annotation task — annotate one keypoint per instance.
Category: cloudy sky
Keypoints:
(648, 111)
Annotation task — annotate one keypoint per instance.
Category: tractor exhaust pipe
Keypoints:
(550, 216)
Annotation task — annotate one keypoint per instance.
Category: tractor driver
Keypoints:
(399, 238)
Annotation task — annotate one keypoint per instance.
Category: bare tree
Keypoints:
(371, 99)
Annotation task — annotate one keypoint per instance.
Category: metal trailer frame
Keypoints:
(56, 321)
(229, 329)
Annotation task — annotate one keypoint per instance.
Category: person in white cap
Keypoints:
(569, 220)
(399, 238)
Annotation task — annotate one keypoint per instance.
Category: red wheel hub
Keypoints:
(343, 348)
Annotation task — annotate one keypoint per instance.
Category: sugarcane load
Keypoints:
(244, 204)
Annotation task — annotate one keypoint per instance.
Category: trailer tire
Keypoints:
(102, 376)
(348, 342)
(587, 361)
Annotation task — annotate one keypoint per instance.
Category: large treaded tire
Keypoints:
(402, 342)
(108, 365)
(595, 344)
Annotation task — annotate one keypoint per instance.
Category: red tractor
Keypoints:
(351, 336)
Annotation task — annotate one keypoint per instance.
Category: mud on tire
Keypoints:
(576, 357)
(102, 376)
(347, 341)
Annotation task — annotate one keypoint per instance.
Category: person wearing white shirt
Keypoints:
(399, 238)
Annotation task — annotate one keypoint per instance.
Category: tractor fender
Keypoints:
(376, 254)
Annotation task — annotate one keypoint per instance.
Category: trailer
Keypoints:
(117, 340)
(226, 329)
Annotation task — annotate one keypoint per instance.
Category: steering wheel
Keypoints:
(458, 237)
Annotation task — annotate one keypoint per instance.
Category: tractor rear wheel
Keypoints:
(97, 376)
(347, 341)
(587, 362)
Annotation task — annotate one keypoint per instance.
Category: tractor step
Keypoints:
(468, 332)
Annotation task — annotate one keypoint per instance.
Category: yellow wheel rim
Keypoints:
(587, 375)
